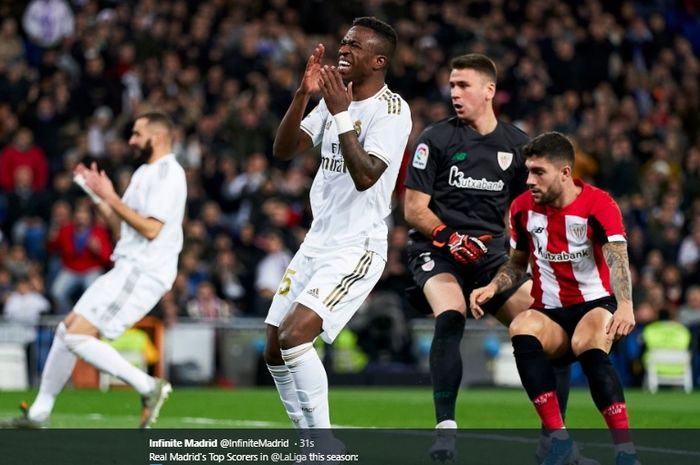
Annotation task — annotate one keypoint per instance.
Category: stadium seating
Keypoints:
(667, 360)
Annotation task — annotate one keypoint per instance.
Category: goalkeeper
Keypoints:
(463, 174)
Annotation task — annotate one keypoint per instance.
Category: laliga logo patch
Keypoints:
(420, 157)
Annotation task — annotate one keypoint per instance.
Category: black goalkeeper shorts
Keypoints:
(426, 261)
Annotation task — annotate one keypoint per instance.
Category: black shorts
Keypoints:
(569, 317)
(426, 261)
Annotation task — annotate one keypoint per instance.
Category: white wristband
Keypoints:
(343, 122)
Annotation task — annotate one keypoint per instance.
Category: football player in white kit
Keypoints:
(363, 128)
(148, 222)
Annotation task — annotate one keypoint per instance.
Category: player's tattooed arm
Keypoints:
(507, 276)
(511, 271)
(622, 321)
(618, 262)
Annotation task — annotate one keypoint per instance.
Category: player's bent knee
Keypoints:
(300, 326)
(580, 343)
(530, 322)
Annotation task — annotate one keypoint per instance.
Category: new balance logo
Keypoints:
(313, 292)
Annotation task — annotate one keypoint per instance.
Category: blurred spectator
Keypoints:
(168, 309)
(46, 124)
(84, 248)
(23, 152)
(100, 133)
(6, 285)
(10, 42)
(689, 312)
(27, 213)
(243, 188)
(194, 270)
(25, 305)
(689, 253)
(270, 270)
(206, 305)
(227, 277)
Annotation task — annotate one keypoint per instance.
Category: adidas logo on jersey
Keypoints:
(313, 292)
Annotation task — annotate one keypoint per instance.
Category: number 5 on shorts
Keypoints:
(286, 282)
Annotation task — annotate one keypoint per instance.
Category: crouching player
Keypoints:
(572, 235)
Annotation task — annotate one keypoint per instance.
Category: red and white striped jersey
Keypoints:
(565, 245)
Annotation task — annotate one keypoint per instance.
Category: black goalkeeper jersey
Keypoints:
(471, 178)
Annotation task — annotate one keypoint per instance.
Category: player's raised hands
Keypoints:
(334, 91)
(97, 180)
(310, 80)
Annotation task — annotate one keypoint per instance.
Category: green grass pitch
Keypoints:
(351, 407)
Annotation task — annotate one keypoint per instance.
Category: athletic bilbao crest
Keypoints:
(428, 262)
(504, 160)
(578, 231)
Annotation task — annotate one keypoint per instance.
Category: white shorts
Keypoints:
(118, 299)
(334, 286)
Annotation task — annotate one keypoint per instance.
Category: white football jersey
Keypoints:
(157, 190)
(342, 215)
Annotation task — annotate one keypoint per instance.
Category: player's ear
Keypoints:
(490, 90)
(566, 171)
(380, 62)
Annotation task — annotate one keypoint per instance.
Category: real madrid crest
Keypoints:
(358, 127)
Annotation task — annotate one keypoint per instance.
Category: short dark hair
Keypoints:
(553, 146)
(158, 117)
(477, 62)
(386, 33)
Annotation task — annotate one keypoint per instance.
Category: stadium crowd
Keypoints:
(621, 78)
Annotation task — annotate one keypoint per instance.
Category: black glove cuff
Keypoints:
(441, 234)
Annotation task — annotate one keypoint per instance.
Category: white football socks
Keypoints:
(288, 394)
(311, 383)
(57, 370)
(106, 358)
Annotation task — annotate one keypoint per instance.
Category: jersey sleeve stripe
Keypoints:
(382, 157)
(393, 102)
(307, 131)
